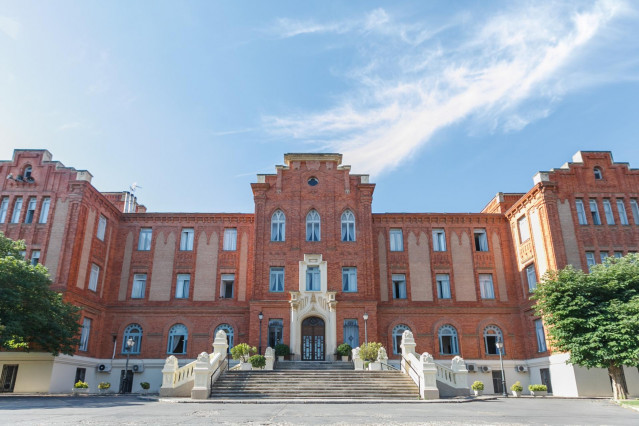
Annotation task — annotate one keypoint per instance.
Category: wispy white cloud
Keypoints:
(232, 132)
(69, 126)
(411, 88)
(10, 26)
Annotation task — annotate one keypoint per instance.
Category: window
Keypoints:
(102, 223)
(139, 286)
(541, 337)
(27, 172)
(278, 226)
(35, 257)
(603, 255)
(531, 275)
(80, 374)
(399, 286)
(635, 210)
(621, 208)
(144, 243)
(439, 240)
(182, 285)
(524, 230)
(581, 212)
(610, 219)
(349, 279)
(186, 240)
(618, 254)
(277, 279)
(448, 340)
(134, 332)
(598, 173)
(348, 226)
(486, 286)
(228, 282)
(313, 278)
(351, 332)
(313, 226)
(31, 207)
(443, 286)
(44, 211)
(396, 240)
(230, 239)
(397, 337)
(17, 208)
(275, 332)
(178, 335)
(229, 334)
(4, 206)
(481, 240)
(312, 181)
(492, 335)
(590, 259)
(84, 336)
(594, 212)
(93, 279)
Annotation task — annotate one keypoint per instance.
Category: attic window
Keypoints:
(27, 172)
(598, 173)
(313, 181)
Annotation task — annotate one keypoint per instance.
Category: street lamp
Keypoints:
(260, 316)
(125, 381)
(365, 327)
(500, 347)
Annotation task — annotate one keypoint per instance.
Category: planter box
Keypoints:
(375, 366)
(345, 358)
(280, 358)
(80, 391)
(478, 392)
(539, 393)
(245, 366)
(516, 394)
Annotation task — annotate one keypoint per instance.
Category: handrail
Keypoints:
(390, 366)
(218, 367)
(419, 380)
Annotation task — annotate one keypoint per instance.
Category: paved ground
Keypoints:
(134, 411)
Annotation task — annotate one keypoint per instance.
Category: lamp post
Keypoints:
(365, 327)
(260, 316)
(125, 380)
(500, 347)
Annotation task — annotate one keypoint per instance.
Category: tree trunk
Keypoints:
(616, 374)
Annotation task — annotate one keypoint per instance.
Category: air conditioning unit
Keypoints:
(484, 369)
(103, 368)
(137, 368)
(472, 368)
(521, 368)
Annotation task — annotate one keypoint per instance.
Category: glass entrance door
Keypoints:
(313, 339)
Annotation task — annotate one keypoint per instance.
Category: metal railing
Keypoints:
(419, 381)
(392, 367)
(222, 361)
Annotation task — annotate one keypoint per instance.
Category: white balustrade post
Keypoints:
(357, 361)
(269, 354)
(220, 344)
(201, 377)
(168, 374)
(408, 343)
(382, 358)
(429, 377)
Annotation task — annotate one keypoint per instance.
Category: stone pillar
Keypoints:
(331, 329)
(408, 343)
(269, 354)
(357, 361)
(382, 357)
(429, 377)
(201, 377)
(220, 344)
(295, 346)
(168, 372)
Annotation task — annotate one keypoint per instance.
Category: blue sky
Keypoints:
(443, 103)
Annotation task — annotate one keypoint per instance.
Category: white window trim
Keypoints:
(94, 277)
(182, 286)
(582, 218)
(44, 210)
(230, 239)
(187, 236)
(439, 240)
(313, 260)
(396, 237)
(276, 279)
(350, 273)
(223, 280)
(102, 224)
(145, 239)
(486, 286)
(443, 286)
(402, 294)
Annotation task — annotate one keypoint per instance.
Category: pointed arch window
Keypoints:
(348, 226)
(448, 344)
(228, 329)
(178, 335)
(278, 226)
(492, 335)
(397, 337)
(598, 173)
(133, 331)
(313, 226)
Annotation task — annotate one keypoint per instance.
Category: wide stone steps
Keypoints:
(314, 365)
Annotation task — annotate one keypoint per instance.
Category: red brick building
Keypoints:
(313, 259)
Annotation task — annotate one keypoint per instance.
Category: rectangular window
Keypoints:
(313, 278)
(31, 207)
(228, 282)
(275, 332)
(144, 243)
(139, 286)
(581, 212)
(396, 240)
(524, 230)
(84, 336)
(610, 219)
(590, 259)
(541, 337)
(594, 212)
(44, 211)
(230, 239)
(35, 257)
(603, 255)
(439, 240)
(621, 208)
(276, 284)
(399, 286)
(486, 286)
(531, 276)
(186, 241)
(443, 286)
(80, 374)
(17, 208)
(349, 279)
(481, 240)
(93, 278)
(635, 210)
(182, 286)
(618, 254)
(102, 223)
(4, 206)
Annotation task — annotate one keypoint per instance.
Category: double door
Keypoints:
(313, 339)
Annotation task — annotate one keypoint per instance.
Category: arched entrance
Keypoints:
(313, 345)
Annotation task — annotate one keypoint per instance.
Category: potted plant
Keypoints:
(104, 387)
(477, 387)
(538, 390)
(368, 353)
(258, 362)
(80, 387)
(516, 389)
(243, 352)
(282, 350)
(145, 386)
(344, 350)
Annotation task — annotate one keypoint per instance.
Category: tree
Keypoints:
(33, 317)
(595, 316)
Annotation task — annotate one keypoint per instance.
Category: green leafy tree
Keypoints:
(33, 317)
(594, 317)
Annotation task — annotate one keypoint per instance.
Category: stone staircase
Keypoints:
(314, 365)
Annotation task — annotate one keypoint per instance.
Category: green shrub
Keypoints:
(368, 351)
(81, 385)
(344, 349)
(242, 352)
(517, 387)
(104, 385)
(477, 385)
(537, 388)
(258, 361)
(145, 385)
(282, 350)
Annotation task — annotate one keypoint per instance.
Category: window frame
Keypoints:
(481, 240)
(187, 239)
(225, 279)
(400, 287)
(17, 210)
(531, 272)
(44, 210)
(278, 226)
(35, 257)
(182, 286)
(349, 279)
(443, 286)
(610, 217)
(313, 278)
(397, 333)
(439, 240)
(348, 226)
(594, 211)
(590, 260)
(102, 224)
(145, 239)
(497, 335)
(135, 335)
(276, 278)
(139, 284)
(634, 207)
(4, 208)
(313, 226)
(32, 205)
(447, 330)
(621, 210)
(524, 229)
(396, 239)
(177, 331)
(230, 239)
(541, 336)
(94, 277)
(582, 218)
(486, 286)
(85, 335)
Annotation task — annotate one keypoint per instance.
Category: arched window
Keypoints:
(598, 173)
(492, 335)
(448, 340)
(27, 172)
(229, 334)
(278, 226)
(178, 335)
(313, 226)
(133, 331)
(397, 337)
(348, 226)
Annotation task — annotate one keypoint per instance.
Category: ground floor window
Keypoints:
(492, 335)
(177, 339)
(397, 337)
(351, 332)
(275, 332)
(80, 374)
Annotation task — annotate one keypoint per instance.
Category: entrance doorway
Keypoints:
(313, 339)
(8, 380)
(545, 378)
(497, 383)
